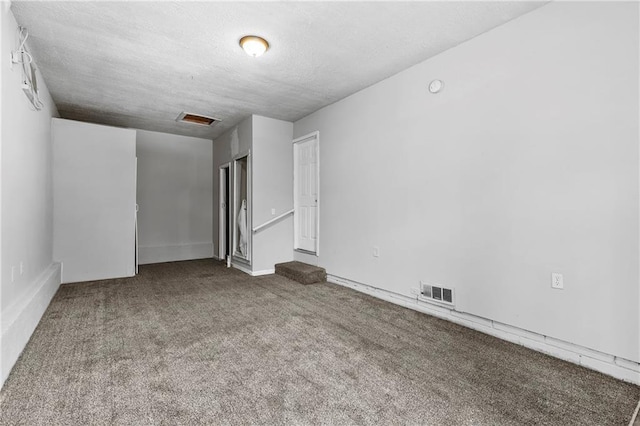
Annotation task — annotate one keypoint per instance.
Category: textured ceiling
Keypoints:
(139, 64)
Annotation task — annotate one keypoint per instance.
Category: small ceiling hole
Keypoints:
(202, 120)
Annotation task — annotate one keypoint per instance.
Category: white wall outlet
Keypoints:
(273, 212)
(376, 251)
(556, 280)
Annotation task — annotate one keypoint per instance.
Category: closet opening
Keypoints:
(242, 208)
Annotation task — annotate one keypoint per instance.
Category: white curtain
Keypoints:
(242, 228)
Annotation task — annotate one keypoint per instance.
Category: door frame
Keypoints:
(135, 221)
(223, 222)
(234, 215)
(296, 246)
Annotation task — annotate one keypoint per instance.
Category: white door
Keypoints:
(306, 194)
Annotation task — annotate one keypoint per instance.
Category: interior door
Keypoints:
(306, 192)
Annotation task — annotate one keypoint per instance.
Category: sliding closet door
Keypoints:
(94, 199)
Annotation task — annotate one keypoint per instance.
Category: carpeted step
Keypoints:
(301, 272)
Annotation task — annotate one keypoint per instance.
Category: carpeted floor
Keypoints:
(196, 343)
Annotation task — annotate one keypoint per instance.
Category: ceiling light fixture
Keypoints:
(254, 45)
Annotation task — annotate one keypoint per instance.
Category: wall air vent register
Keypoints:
(437, 294)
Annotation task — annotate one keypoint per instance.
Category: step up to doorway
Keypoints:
(301, 272)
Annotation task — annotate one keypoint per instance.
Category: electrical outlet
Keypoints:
(557, 281)
(376, 251)
(273, 212)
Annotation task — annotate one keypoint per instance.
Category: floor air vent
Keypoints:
(436, 294)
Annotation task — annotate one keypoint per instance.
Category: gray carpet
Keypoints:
(196, 343)
(301, 272)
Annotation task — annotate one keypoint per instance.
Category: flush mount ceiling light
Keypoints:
(254, 45)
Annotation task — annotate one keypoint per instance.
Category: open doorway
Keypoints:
(224, 242)
(242, 209)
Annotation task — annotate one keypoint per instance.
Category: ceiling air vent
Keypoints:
(202, 120)
(436, 294)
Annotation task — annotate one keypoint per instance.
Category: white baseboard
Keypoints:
(21, 318)
(263, 272)
(246, 270)
(172, 253)
(620, 368)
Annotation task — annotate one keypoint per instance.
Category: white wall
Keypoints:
(26, 213)
(94, 199)
(272, 190)
(525, 164)
(175, 197)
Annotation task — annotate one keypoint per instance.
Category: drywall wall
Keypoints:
(272, 159)
(230, 145)
(94, 200)
(26, 215)
(525, 164)
(271, 187)
(175, 197)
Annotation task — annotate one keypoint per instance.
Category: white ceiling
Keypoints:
(139, 64)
